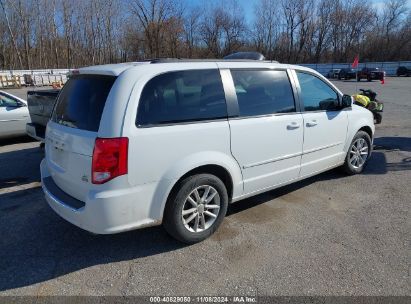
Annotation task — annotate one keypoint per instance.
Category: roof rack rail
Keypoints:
(171, 60)
(239, 57)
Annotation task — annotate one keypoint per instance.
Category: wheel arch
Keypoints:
(367, 130)
(221, 165)
(216, 170)
(359, 119)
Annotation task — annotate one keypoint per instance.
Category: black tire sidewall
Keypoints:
(172, 213)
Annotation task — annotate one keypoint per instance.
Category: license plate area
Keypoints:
(58, 157)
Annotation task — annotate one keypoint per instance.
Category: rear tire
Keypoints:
(358, 153)
(195, 208)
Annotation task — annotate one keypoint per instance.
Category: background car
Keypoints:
(404, 71)
(40, 104)
(333, 73)
(347, 74)
(370, 74)
(14, 115)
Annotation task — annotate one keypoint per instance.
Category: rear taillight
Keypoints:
(109, 159)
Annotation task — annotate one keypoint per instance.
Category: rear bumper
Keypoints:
(104, 212)
(36, 131)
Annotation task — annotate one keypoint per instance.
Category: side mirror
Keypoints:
(329, 104)
(346, 101)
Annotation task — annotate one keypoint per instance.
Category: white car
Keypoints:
(174, 142)
(14, 115)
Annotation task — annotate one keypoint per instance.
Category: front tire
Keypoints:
(358, 153)
(195, 208)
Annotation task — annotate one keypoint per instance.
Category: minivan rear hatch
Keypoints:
(72, 131)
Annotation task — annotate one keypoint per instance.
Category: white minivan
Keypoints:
(175, 141)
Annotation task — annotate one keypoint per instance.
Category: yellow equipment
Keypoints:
(362, 99)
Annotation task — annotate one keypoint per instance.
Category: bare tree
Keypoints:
(11, 33)
(152, 15)
(191, 30)
(61, 34)
(266, 27)
(322, 25)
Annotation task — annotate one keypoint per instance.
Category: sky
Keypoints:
(248, 5)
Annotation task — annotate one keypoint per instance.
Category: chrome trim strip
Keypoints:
(322, 148)
(271, 160)
(289, 156)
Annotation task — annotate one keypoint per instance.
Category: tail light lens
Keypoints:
(109, 159)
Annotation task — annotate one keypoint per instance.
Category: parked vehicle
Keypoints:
(347, 74)
(13, 115)
(370, 74)
(333, 74)
(367, 99)
(175, 141)
(404, 71)
(40, 104)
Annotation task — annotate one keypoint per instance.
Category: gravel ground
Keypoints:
(328, 235)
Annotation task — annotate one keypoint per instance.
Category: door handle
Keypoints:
(311, 123)
(293, 125)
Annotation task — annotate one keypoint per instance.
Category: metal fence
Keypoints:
(33, 72)
(15, 78)
(45, 77)
(390, 68)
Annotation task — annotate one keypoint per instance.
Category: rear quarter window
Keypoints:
(81, 101)
(182, 96)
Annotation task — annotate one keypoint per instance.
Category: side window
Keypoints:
(7, 101)
(262, 92)
(182, 96)
(316, 94)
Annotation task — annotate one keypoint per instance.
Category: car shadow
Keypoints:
(279, 192)
(393, 143)
(19, 167)
(382, 145)
(37, 245)
(16, 140)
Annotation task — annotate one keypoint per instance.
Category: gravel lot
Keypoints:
(328, 235)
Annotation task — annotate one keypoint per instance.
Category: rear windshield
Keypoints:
(81, 101)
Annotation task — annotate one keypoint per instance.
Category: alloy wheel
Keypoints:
(359, 153)
(201, 208)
